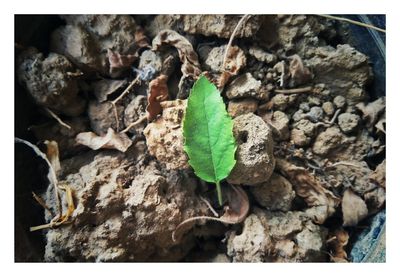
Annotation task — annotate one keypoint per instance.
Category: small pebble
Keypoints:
(328, 108)
(348, 122)
(297, 116)
(269, 76)
(305, 106)
(339, 101)
(314, 101)
(315, 114)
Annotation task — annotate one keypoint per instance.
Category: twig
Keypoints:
(74, 74)
(227, 49)
(126, 91)
(343, 163)
(328, 124)
(209, 206)
(352, 22)
(294, 90)
(42, 203)
(62, 123)
(137, 122)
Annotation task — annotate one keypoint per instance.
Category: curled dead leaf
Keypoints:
(235, 212)
(141, 40)
(235, 60)
(118, 61)
(337, 243)
(112, 140)
(372, 110)
(299, 74)
(187, 55)
(354, 208)
(158, 92)
(309, 187)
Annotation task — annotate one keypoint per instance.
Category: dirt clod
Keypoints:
(254, 157)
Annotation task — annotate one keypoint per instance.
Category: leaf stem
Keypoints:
(219, 193)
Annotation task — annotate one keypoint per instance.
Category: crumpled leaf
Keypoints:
(207, 128)
(309, 188)
(118, 61)
(372, 110)
(379, 175)
(354, 208)
(337, 243)
(103, 88)
(235, 60)
(141, 40)
(238, 205)
(187, 55)
(235, 212)
(164, 136)
(299, 74)
(158, 92)
(112, 140)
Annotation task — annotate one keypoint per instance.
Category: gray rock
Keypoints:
(135, 110)
(339, 101)
(246, 86)
(275, 195)
(298, 115)
(254, 155)
(102, 117)
(262, 56)
(304, 106)
(48, 82)
(348, 122)
(307, 126)
(280, 101)
(299, 138)
(328, 141)
(315, 114)
(280, 122)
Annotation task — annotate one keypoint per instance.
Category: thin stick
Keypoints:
(62, 123)
(294, 90)
(42, 203)
(137, 122)
(343, 163)
(244, 18)
(126, 91)
(209, 206)
(352, 22)
(328, 124)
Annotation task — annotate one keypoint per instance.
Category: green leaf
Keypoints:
(207, 129)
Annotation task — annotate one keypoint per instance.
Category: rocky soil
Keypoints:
(311, 141)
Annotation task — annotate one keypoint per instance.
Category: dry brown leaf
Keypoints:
(337, 243)
(309, 188)
(238, 205)
(354, 208)
(235, 60)
(158, 92)
(53, 154)
(141, 40)
(299, 74)
(111, 140)
(118, 61)
(372, 110)
(379, 175)
(235, 212)
(187, 55)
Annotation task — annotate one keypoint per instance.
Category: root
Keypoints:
(42, 203)
(330, 123)
(352, 22)
(192, 219)
(62, 123)
(133, 124)
(125, 92)
(240, 23)
(294, 90)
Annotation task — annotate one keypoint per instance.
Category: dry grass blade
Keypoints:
(62, 123)
(352, 22)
